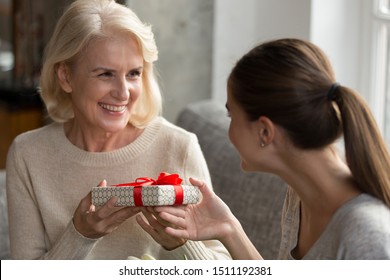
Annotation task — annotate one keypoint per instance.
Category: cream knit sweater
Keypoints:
(47, 177)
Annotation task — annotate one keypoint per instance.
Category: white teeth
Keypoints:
(112, 107)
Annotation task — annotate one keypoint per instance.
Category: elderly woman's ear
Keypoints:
(63, 75)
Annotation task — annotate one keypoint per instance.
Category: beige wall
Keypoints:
(183, 31)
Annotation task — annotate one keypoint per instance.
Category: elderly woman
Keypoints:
(99, 88)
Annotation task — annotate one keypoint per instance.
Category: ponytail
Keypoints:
(366, 152)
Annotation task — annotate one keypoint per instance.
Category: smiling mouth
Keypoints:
(112, 108)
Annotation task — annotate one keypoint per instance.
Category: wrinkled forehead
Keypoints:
(114, 52)
(107, 45)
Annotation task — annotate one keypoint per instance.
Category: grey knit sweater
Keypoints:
(360, 229)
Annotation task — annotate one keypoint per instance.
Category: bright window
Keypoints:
(380, 86)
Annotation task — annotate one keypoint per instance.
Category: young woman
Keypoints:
(286, 113)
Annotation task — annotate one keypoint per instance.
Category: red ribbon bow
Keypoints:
(163, 179)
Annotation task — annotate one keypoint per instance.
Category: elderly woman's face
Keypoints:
(105, 83)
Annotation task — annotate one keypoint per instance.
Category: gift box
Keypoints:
(166, 190)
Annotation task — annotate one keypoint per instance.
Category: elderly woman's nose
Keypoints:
(122, 89)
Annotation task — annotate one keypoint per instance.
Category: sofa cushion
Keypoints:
(256, 199)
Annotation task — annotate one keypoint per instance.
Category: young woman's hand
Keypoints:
(209, 219)
(95, 223)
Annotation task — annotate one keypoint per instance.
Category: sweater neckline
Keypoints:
(335, 219)
(118, 156)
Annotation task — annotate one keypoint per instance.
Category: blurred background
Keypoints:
(199, 42)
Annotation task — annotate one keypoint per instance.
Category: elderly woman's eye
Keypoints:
(106, 74)
(135, 74)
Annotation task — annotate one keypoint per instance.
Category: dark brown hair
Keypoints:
(288, 81)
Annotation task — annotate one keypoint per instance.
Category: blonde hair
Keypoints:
(83, 21)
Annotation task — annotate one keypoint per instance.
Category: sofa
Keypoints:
(255, 199)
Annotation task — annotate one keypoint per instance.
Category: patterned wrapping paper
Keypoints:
(151, 195)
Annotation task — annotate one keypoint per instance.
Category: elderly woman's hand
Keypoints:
(95, 223)
(155, 226)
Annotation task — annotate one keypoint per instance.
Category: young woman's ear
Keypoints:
(266, 131)
(63, 75)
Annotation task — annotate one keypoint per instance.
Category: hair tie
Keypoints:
(330, 95)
